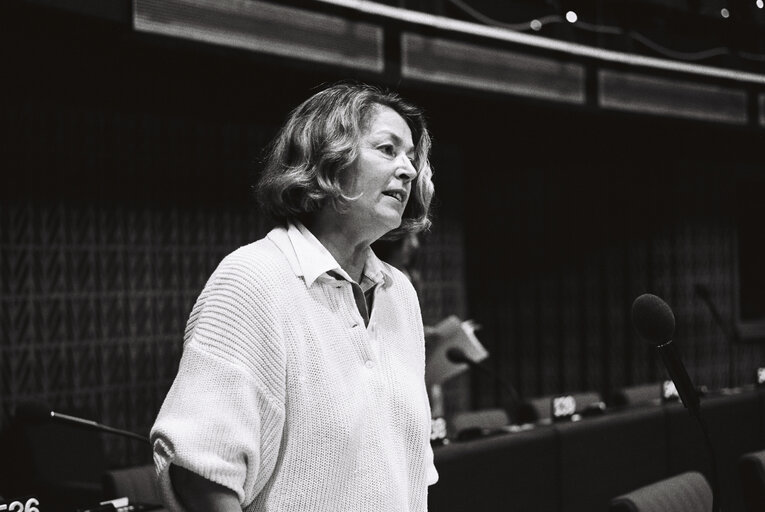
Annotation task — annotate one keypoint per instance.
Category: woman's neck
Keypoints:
(349, 249)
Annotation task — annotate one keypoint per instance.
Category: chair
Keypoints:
(514, 472)
(610, 455)
(734, 426)
(472, 424)
(751, 469)
(643, 394)
(137, 483)
(686, 492)
(59, 464)
(585, 402)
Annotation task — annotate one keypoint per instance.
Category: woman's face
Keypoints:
(382, 174)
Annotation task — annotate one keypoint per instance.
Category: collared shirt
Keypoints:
(313, 260)
(285, 397)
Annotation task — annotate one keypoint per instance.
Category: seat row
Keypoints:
(584, 465)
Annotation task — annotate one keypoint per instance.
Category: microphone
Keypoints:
(654, 321)
(39, 412)
(519, 411)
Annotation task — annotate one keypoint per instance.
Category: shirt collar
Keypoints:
(311, 260)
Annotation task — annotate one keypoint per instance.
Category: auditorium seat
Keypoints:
(686, 492)
(511, 472)
(751, 467)
(61, 465)
(585, 401)
(609, 455)
(137, 483)
(734, 424)
(471, 424)
(643, 394)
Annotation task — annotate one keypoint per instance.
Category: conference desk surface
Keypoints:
(581, 466)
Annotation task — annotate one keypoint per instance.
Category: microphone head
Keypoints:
(653, 319)
(456, 355)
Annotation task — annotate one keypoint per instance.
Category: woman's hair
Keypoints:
(304, 164)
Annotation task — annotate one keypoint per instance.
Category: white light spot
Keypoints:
(571, 17)
(536, 25)
(725, 13)
(760, 4)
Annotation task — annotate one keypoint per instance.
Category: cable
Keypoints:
(538, 23)
(701, 55)
(601, 29)
(520, 27)
(752, 56)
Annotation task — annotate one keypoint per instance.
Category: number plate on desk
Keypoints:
(26, 504)
(563, 407)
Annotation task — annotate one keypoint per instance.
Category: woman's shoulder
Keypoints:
(257, 264)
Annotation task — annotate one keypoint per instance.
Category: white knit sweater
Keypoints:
(284, 396)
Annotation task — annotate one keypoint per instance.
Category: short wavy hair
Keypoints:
(304, 164)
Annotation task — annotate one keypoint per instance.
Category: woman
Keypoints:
(301, 385)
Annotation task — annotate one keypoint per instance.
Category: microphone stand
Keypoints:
(92, 425)
(654, 321)
(732, 335)
(713, 460)
(32, 411)
(514, 408)
(691, 402)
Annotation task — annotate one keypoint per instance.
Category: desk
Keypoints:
(581, 466)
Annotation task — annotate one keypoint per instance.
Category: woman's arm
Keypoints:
(198, 494)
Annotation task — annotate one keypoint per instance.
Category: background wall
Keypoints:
(127, 163)
(593, 213)
(127, 174)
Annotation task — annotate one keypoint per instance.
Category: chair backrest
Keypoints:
(643, 394)
(543, 405)
(137, 483)
(751, 467)
(59, 464)
(686, 492)
(513, 472)
(484, 419)
(613, 454)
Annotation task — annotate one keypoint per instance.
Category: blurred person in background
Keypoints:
(402, 254)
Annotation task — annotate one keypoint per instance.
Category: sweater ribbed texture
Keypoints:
(284, 396)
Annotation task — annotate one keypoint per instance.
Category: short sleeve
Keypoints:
(224, 413)
(216, 422)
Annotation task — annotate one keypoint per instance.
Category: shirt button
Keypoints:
(369, 364)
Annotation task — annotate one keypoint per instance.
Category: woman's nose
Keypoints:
(406, 170)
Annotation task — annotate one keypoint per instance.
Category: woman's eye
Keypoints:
(387, 149)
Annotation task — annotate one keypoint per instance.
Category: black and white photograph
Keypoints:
(382, 256)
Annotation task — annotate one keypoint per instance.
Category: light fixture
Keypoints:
(571, 17)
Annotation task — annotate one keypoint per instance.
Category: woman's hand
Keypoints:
(198, 494)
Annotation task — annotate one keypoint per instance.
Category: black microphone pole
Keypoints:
(39, 412)
(654, 321)
(455, 355)
(92, 425)
(729, 330)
